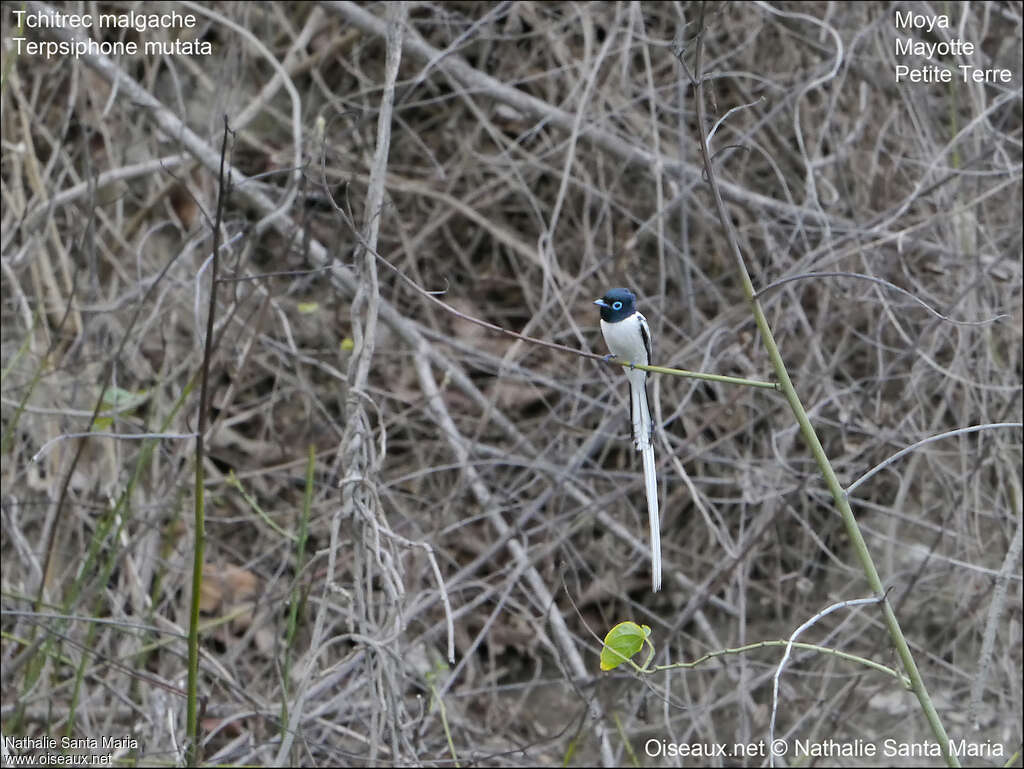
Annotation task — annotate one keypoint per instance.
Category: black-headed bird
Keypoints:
(628, 338)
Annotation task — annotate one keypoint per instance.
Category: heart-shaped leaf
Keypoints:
(622, 642)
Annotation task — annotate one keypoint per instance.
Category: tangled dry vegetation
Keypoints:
(539, 154)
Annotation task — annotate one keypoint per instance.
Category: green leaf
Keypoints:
(308, 308)
(121, 399)
(622, 642)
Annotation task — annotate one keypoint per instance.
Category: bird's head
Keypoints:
(616, 304)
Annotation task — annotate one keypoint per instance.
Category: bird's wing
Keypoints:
(645, 332)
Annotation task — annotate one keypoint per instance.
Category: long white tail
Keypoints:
(640, 413)
(651, 486)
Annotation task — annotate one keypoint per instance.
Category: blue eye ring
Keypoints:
(616, 305)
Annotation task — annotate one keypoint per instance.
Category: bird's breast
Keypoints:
(625, 341)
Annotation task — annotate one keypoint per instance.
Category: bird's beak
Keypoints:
(600, 303)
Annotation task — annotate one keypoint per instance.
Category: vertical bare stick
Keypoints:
(359, 502)
(192, 723)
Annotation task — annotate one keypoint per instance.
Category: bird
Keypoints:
(628, 337)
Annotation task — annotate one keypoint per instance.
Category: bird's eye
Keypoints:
(616, 305)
